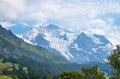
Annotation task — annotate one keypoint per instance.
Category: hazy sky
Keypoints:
(96, 16)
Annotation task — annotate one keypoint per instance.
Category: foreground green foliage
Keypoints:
(71, 75)
(87, 73)
(93, 73)
(114, 61)
(5, 77)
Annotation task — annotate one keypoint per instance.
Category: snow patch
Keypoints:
(76, 46)
(96, 40)
(94, 49)
(59, 44)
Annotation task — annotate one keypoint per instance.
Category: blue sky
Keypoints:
(96, 16)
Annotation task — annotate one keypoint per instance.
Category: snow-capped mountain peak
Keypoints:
(75, 47)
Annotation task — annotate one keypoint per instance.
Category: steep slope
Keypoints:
(75, 47)
(93, 48)
(10, 45)
(51, 37)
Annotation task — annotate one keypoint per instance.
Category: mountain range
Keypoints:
(35, 58)
(11, 43)
(77, 47)
(38, 59)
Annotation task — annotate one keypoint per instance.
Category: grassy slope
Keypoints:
(5, 77)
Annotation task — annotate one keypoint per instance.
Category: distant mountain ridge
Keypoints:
(75, 47)
(11, 45)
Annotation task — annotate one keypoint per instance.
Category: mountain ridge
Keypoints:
(68, 44)
(10, 43)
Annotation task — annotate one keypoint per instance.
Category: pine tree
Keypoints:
(93, 73)
(114, 61)
(71, 75)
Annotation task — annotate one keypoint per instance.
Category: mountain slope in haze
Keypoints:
(10, 45)
(75, 47)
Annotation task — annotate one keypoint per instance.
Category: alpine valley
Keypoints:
(77, 47)
(34, 58)
(50, 50)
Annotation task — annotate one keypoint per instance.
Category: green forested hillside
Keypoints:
(36, 59)
(10, 45)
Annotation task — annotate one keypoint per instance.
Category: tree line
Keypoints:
(16, 71)
(94, 72)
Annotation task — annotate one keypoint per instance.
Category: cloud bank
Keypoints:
(81, 15)
(11, 9)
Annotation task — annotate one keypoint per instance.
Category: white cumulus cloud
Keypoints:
(11, 9)
(6, 24)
